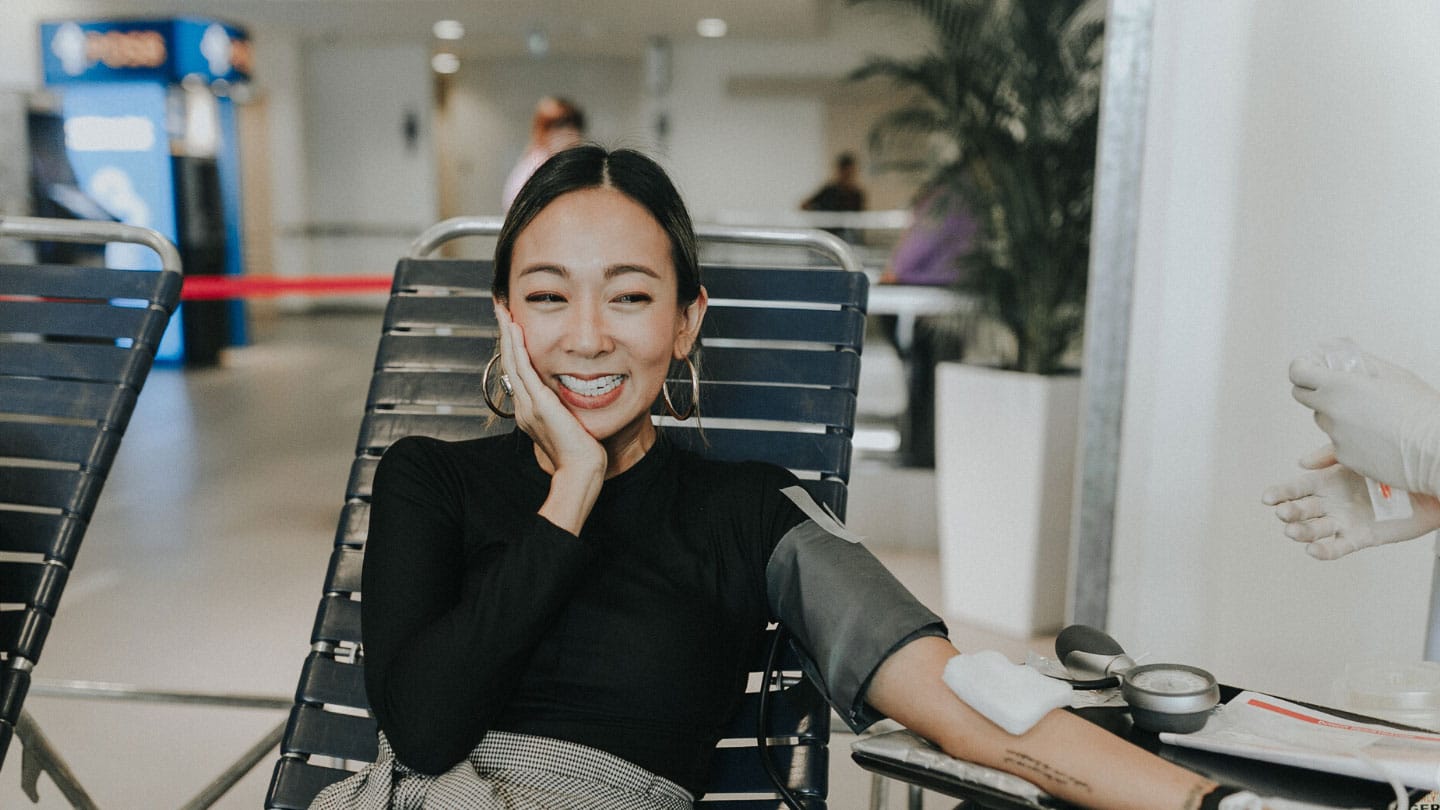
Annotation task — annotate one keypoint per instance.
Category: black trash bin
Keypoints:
(200, 228)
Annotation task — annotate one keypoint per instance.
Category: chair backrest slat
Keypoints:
(72, 319)
(88, 283)
(782, 366)
(344, 573)
(83, 362)
(432, 312)
(380, 429)
(295, 783)
(61, 399)
(337, 621)
(343, 736)
(784, 325)
(60, 443)
(425, 352)
(456, 276)
(779, 368)
(65, 490)
(354, 522)
(57, 536)
(828, 453)
(325, 680)
(801, 285)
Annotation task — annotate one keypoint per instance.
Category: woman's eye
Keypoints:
(633, 298)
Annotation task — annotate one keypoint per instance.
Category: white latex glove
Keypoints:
(1386, 426)
(1329, 509)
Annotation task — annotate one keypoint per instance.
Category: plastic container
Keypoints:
(1405, 692)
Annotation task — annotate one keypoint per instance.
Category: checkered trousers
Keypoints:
(508, 771)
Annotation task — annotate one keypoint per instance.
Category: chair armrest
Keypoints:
(910, 758)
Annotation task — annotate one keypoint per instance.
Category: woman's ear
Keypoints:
(690, 319)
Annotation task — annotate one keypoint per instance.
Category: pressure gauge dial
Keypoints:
(1169, 697)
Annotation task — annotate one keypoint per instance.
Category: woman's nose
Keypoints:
(589, 333)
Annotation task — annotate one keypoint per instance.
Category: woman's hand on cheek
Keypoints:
(540, 413)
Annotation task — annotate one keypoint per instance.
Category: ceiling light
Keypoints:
(445, 63)
(449, 29)
(537, 42)
(711, 27)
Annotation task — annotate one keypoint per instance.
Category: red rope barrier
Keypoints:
(212, 288)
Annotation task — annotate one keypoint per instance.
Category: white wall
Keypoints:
(1289, 195)
(361, 173)
(360, 165)
(766, 153)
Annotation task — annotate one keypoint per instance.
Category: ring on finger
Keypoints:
(505, 384)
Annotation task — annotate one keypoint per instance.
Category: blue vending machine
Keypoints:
(149, 129)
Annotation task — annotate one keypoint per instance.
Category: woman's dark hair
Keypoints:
(625, 170)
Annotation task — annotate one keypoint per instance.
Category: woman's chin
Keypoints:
(607, 430)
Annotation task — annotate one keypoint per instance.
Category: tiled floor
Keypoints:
(203, 565)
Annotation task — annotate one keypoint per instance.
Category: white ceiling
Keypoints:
(501, 27)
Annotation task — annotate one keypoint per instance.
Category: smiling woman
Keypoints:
(563, 616)
(595, 300)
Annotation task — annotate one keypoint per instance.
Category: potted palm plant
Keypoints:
(1006, 106)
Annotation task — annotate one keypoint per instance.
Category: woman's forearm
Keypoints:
(572, 496)
(1063, 754)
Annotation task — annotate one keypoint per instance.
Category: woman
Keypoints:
(566, 611)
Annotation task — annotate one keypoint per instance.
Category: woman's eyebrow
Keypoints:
(615, 270)
(554, 269)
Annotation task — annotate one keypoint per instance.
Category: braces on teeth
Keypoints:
(592, 388)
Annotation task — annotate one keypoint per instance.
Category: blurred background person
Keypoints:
(929, 253)
(557, 124)
(842, 193)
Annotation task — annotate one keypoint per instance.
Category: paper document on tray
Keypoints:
(1267, 728)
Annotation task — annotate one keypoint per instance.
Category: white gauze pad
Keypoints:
(1012, 696)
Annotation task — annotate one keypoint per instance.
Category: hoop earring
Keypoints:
(694, 394)
(485, 390)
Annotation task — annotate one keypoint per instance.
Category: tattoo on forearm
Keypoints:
(1021, 761)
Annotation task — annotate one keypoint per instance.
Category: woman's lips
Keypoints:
(590, 393)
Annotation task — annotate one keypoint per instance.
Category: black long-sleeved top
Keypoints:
(634, 638)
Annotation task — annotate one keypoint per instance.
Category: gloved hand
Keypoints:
(1384, 422)
(1330, 510)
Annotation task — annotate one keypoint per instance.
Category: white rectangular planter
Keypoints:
(1004, 464)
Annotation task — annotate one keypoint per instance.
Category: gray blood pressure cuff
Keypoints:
(846, 612)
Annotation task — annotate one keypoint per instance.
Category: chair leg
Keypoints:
(38, 755)
(247, 762)
(879, 791)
